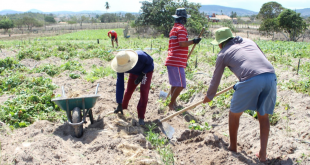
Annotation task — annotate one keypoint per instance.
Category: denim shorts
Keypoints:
(258, 93)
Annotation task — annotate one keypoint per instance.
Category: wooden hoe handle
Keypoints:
(194, 105)
(202, 30)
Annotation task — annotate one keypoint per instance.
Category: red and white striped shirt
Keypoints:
(177, 56)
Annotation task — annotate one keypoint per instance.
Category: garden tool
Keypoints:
(163, 94)
(167, 129)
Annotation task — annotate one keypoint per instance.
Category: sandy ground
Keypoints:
(108, 142)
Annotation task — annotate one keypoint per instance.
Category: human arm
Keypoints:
(188, 43)
(216, 79)
(120, 87)
(119, 92)
(109, 33)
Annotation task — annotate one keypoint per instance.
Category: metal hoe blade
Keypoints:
(167, 129)
(163, 95)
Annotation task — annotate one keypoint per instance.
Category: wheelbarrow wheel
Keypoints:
(76, 118)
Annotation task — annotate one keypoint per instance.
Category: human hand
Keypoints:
(139, 79)
(196, 40)
(206, 100)
(119, 108)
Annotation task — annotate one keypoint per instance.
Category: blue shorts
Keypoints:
(258, 93)
(176, 76)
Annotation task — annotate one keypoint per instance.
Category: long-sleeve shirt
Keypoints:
(145, 64)
(244, 58)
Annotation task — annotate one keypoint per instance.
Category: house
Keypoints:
(220, 18)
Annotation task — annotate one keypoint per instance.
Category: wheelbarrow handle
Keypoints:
(63, 91)
(97, 88)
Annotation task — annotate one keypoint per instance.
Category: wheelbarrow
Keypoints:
(73, 107)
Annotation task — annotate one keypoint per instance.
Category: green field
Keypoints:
(33, 95)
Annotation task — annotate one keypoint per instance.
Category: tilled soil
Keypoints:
(116, 139)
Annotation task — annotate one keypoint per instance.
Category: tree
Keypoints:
(6, 24)
(270, 10)
(129, 16)
(252, 17)
(108, 17)
(233, 15)
(107, 6)
(269, 13)
(49, 19)
(31, 22)
(82, 19)
(292, 23)
(157, 14)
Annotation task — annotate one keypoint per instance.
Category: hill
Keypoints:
(304, 12)
(209, 9)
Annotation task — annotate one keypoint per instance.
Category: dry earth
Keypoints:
(108, 142)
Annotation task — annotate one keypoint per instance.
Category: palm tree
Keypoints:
(107, 6)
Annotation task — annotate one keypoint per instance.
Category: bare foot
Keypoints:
(261, 158)
(232, 149)
(171, 107)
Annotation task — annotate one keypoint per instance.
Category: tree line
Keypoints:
(276, 18)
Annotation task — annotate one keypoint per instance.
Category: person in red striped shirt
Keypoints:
(177, 55)
(113, 37)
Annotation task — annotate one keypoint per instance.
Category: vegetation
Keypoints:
(158, 14)
(276, 18)
(6, 24)
(160, 144)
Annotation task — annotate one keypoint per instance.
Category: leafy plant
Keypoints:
(160, 144)
(195, 126)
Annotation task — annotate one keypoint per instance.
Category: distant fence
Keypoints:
(66, 28)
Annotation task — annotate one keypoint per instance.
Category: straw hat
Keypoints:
(222, 35)
(124, 61)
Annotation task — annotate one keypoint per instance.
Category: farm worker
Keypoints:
(140, 67)
(177, 55)
(257, 86)
(113, 37)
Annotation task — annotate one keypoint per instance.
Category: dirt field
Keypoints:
(108, 142)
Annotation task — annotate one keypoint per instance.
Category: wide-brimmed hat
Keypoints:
(221, 35)
(181, 12)
(124, 61)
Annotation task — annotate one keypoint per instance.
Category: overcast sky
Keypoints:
(133, 5)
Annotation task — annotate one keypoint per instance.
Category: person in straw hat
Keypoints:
(176, 60)
(257, 86)
(113, 35)
(140, 67)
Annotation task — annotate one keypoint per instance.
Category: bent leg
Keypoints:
(131, 86)
(233, 129)
(264, 127)
(144, 94)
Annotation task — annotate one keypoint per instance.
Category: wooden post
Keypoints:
(298, 66)
(98, 41)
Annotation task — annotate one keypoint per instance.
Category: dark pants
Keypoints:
(144, 92)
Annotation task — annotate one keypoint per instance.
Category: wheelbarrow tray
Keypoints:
(89, 100)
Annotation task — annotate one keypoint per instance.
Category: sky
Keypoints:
(133, 5)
